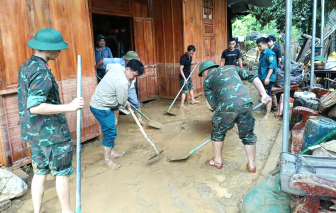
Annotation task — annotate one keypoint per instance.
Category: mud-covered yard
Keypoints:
(158, 185)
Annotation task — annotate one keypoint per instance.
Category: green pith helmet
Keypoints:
(131, 55)
(320, 58)
(48, 39)
(100, 37)
(206, 65)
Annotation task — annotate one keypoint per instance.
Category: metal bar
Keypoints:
(288, 59)
(78, 147)
(312, 83)
(182, 88)
(322, 25)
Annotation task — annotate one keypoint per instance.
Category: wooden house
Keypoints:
(159, 30)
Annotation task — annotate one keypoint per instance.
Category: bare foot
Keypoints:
(112, 165)
(115, 155)
(183, 107)
(194, 102)
(266, 116)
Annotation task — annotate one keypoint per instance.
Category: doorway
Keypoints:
(118, 31)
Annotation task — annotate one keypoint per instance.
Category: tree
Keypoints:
(301, 12)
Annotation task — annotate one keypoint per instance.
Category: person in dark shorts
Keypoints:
(231, 55)
(42, 120)
(232, 103)
(267, 69)
(185, 65)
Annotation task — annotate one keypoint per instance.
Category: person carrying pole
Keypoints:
(185, 65)
(232, 103)
(42, 120)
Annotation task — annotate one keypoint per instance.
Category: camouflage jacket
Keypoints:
(224, 89)
(36, 85)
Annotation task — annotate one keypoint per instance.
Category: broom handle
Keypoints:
(182, 87)
(143, 132)
(139, 112)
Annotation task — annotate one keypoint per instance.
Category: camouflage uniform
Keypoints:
(49, 135)
(231, 100)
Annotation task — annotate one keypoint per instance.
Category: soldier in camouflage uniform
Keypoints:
(231, 100)
(42, 120)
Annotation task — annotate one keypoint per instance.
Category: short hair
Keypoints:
(191, 47)
(136, 66)
(232, 39)
(261, 40)
(271, 38)
(283, 31)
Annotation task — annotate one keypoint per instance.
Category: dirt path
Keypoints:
(160, 186)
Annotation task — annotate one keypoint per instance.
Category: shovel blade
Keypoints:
(171, 159)
(172, 112)
(155, 124)
(154, 155)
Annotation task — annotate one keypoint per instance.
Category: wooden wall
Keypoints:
(128, 8)
(178, 24)
(208, 36)
(19, 21)
(169, 45)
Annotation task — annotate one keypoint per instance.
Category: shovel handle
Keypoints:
(182, 88)
(143, 132)
(200, 146)
(139, 112)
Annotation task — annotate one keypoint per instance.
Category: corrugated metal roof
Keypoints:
(332, 18)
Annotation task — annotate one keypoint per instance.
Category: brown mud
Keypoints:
(160, 186)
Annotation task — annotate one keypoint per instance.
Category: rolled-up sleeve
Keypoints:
(246, 74)
(122, 93)
(40, 85)
(272, 61)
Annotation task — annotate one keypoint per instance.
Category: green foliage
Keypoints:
(250, 44)
(243, 25)
(301, 13)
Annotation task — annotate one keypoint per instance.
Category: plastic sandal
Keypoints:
(217, 165)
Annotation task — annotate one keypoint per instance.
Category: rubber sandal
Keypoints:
(217, 165)
(254, 170)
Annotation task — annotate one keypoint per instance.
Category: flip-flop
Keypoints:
(217, 165)
(254, 170)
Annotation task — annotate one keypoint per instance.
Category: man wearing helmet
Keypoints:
(232, 103)
(42, 120)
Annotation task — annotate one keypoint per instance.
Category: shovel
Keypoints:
(171, 113)
(157, 153)
(170, 159)
(152, 123)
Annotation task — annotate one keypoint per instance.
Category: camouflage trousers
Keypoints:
(56, 158)
(222, 121)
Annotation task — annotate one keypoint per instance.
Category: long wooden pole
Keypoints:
(78, 147)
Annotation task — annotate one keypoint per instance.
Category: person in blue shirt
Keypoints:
(101, 51)
(267, 69)
(132, 95)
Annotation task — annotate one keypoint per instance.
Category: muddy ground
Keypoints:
(160, 186)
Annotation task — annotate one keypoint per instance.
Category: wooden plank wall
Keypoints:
(209, 43)
(178, 24)
(169, 45)
(19, 21)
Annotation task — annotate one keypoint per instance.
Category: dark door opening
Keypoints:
(117, 29)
